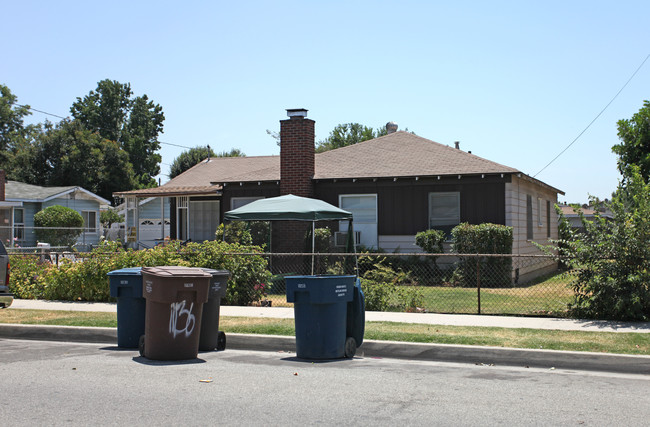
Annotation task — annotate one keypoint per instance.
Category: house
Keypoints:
(587, 211)
(395, 185)
(19, 202)
(152, 218)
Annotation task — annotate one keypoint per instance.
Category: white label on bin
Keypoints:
(124, 282)
(177, 312)
(301, 286)
(148, 286)
(189, 285)
(341, 290)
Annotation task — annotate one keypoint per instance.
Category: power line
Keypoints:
(60, 117)
(595, 118)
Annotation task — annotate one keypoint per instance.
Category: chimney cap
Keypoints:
(391, 127)
(297, 112)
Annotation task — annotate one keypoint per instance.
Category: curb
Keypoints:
(543, 359)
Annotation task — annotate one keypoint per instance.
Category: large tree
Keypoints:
(193, 156)
(12, 129)
(348, 134)
(133, 122)
(70, 154)
(634, 148)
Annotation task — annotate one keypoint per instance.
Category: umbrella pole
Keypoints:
(313, 245)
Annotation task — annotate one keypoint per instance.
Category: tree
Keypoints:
(61, 226)
(134, 123)
(69, 154)
(193, 156)
(634, 148)
(12, 130)
(612, 256)
(348, 134)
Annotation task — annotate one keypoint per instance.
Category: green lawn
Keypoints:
(605, 342)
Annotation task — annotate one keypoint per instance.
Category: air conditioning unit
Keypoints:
(340, 237)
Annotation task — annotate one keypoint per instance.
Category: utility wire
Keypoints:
(60, 117)
(596, 118)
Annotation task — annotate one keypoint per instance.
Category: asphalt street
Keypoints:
(56, 383)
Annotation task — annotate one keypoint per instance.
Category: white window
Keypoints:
(238, 202)
(19, 224)
(90, 221)
(364, 212)
(444, 210)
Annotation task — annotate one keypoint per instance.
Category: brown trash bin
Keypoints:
(175, 298)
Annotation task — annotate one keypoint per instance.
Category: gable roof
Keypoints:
(396, 155)
(22, 192)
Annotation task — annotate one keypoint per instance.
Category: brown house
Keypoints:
(395, 185)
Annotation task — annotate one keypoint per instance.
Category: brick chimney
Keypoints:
(3, 178)
(297, 154)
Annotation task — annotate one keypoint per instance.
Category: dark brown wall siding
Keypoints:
(247, 190)
(403, 206)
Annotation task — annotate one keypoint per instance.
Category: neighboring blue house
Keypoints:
(22, 201)
(151, 215)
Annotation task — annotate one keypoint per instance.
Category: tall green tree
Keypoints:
(348, 134)
(634, 146)
(12, 129)
(69, 154)
(193, 156)
(133, 122)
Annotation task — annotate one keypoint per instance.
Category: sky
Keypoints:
(515, 82)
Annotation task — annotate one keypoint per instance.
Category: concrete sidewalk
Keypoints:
(547, 323)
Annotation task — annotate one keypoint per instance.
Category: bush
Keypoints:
(87, 280)
(612, 257)
(58, 217)
(430, 241)
(27, 273)
(483, 239)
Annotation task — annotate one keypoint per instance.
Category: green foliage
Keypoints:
(188, 159)
(430, 241)
(612, 257)
(86, 280)
(12, 130)
(193, 156)
(483, 239)
(27, 274)
(58, 217)
(69, 154)
(110, 217)
(348, 134)
(236, 232)
(134, 123)
(634, 148)
(386, 289)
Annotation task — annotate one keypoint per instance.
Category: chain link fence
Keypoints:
(527, 285)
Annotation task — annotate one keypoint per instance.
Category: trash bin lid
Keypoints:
(216, 272)
(175, 271)
(130, 271)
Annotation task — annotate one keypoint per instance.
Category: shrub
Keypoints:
(483, 239)
(612, 257)
(68, 224)
(430, 241)
(27, 272)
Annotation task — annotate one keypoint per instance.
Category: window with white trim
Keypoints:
(90, 221)
(444, 211)
(238, 202)
(19, 224)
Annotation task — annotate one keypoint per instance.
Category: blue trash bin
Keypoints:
(126, 286)
(325, 324)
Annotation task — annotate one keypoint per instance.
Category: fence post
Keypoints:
(478, 282)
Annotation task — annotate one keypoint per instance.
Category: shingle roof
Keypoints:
(19, 191)
(399, 154)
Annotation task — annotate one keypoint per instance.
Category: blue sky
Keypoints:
(515, 82)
